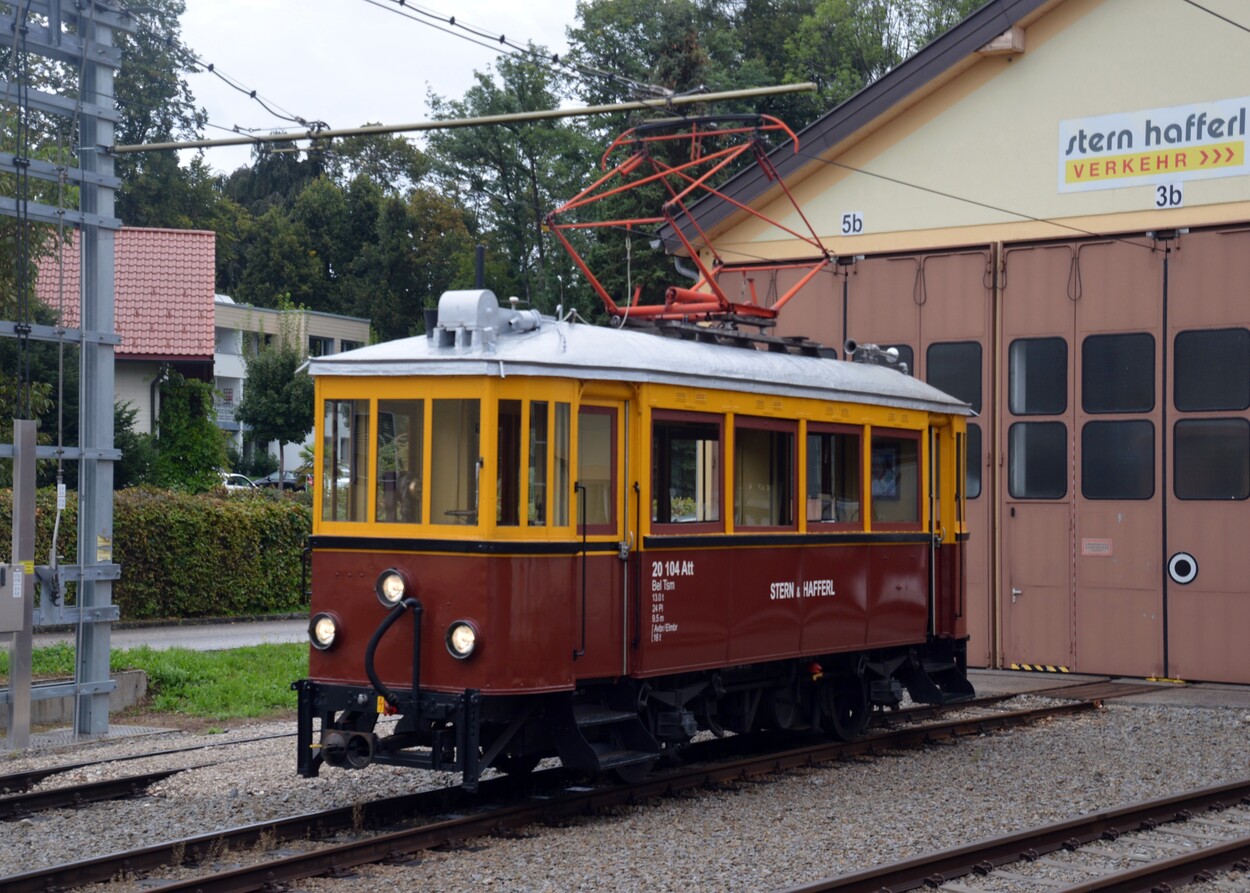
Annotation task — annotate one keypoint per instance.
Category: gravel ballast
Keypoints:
(766, 834)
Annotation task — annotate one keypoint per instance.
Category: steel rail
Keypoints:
(983, 856)
(21, 781)
(76, 795)
(1200, 864)
(398, 844)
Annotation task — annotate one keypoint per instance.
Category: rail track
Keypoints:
(1155, 845)
(551, 798)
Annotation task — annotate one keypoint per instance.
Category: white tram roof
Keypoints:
(475, 336)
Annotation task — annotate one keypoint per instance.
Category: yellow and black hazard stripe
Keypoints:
(1040, 668)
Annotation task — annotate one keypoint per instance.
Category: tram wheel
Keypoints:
(846, 708)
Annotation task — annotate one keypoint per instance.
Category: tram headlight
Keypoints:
(461, 639)
(323, 629)
(391, 587)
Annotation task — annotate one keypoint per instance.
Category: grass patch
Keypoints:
(242, 683)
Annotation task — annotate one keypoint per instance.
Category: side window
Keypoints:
(974, 462)
(1211, 459)
(1038, 376)
(560, 452)
(596, 468)
(763, 473)
(345, 473)
(538, 455)
(1118, 373)
(1118, 460)
(834, 472)
(455, 461)
(1037, 460)
(686, 470)
(1212, 370)
(401, 428)
(508, 465)
(895, 479)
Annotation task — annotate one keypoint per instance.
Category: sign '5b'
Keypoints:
(853, 223)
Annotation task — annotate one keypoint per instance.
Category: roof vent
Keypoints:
(474, 318)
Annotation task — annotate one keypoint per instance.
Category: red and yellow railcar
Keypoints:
(537, 538)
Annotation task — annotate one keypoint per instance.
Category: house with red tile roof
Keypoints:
(163, 307)
(168, 317)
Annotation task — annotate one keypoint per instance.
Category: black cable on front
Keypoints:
(395, 613)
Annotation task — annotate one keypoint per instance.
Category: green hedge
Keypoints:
(186, 556)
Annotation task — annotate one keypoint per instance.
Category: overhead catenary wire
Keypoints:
(478, 121)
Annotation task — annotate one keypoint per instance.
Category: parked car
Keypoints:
(233, 481)
(290, 481)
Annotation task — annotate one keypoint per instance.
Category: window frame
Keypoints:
(669, 528)
(904, 434)
(782, 426)
(612, 525)
(857, 433)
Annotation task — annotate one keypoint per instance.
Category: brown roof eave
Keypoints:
(909, 76)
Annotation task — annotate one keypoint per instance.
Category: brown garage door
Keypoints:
(937, 309)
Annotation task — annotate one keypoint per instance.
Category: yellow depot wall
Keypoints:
(977, 159)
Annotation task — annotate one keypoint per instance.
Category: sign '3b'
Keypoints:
(1169, 195)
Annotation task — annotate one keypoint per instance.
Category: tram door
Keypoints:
(599, 512)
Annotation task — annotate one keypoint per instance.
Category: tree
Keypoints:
(511, 175)
(277, 401)
(138, 450)
(155, 104)
(190, 448)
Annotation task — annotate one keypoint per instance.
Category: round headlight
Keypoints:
(391, 587)
(322, 630)
(461, 639)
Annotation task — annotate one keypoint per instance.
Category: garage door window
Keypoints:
(1038, 376)
(1212, 459)
(1213, 370)
(1037, 460)
(1118, 373)
(1118, 460)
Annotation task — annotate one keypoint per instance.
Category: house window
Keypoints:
(319, 346)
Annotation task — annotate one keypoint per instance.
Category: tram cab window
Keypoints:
(596, 469)
(686, 469)
(763, 473)
(895, 488)
(345, 467)
(834, 469)
(455, 461)
(400, 440)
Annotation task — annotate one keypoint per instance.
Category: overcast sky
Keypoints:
(346, 62)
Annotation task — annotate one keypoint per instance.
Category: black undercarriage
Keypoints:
(622, 725)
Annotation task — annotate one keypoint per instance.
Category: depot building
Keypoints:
(1047, 210)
